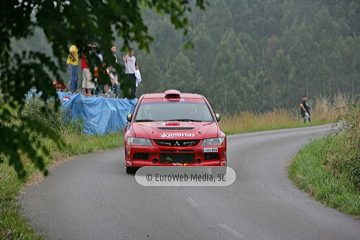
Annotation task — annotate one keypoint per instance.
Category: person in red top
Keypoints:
(87, 83)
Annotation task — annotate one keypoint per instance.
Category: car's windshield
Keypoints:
(173, 111)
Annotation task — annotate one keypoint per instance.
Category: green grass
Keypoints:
(309, 174)
(277, 127)
(12, 224)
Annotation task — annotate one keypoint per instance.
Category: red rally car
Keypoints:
(174, 129)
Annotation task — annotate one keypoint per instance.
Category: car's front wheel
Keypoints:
(131, 170)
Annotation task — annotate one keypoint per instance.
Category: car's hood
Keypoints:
(175, 130)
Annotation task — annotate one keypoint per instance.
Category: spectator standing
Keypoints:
(87, 83)
(100, 65)
(112, 73)
(114, 82)
(113, 49)
(131, 66)
(97, 62)
(73, 62)
(304, 110)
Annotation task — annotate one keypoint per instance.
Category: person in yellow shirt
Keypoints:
(73, 62)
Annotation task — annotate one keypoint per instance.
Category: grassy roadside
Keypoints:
(328, 169)
(309, 174)
(277, 127)
(12, 224)
(323, 111)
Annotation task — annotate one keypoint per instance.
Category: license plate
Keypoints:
(176, 158)
(210, 150)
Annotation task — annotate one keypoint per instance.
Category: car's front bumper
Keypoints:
(141, 156)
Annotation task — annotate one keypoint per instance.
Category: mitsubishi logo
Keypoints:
(176, 143)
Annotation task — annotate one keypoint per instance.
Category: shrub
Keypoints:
(344, 160)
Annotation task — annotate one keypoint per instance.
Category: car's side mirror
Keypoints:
(218, 117)
(128, 117)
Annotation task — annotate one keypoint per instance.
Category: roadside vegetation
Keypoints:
(323, 110)
(14, 226)
(328, 169)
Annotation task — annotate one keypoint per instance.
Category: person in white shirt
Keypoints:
(131, 66)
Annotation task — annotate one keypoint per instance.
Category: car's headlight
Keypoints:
(138, 141)
(213, 141)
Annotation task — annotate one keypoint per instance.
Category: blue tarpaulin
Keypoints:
(100, 115)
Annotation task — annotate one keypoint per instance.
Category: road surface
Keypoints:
(91, 197)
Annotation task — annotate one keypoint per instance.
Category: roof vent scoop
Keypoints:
(172, 95)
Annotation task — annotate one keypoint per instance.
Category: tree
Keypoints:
(231, 91)
(168, 42)
(180, 75)
(64, 23)
(153, 77)
(203, 53)
(218, 19)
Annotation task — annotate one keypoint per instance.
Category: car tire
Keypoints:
(130, 170)
(215, 171)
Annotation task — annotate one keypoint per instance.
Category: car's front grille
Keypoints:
(177, 143)
(176, 158)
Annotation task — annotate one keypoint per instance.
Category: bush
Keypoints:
(37, 109)
(344, 160)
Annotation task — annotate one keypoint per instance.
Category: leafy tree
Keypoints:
(152, 77)
(64, 23)
(354, 17)
(231, 92)
(350, 51)
(241, 13)
(309, 56)
(200, 85)
(180, 75)
(203, 53)
(168, 41)
(276, 65)
(273, 13)
(218, 18)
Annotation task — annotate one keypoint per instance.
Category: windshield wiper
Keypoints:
(184, 120)
(144, 120)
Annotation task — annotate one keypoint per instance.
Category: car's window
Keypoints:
(173, 111)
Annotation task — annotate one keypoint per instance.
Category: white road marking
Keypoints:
(231, 231)
(192, 202)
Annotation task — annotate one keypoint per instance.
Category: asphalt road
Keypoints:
(91, 197)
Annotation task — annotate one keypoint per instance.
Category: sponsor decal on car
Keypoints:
(210, 150)
(170, 135)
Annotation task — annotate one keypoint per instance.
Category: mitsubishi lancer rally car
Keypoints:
(174, 129)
